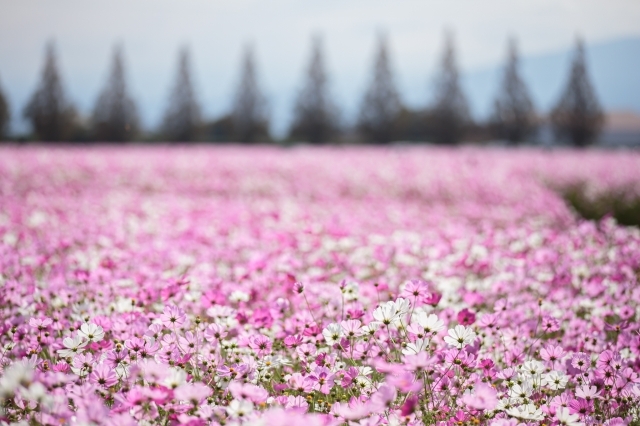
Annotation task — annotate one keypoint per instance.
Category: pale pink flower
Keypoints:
(483, 397)
(173, 317)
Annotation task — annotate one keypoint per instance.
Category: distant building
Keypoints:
(621, 129)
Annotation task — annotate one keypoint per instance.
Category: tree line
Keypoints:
(577, 117)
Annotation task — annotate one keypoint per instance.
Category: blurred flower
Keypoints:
(239, 408)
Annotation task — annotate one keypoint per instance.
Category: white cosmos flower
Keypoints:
(504, 404)
(392, 312)
(430, 323)
(122, 370)
(351, 291)
(332, 333)
(370, 328)
(272, 361)
(460, 336)
(364, 370)
(521, 391)
(526, 412)
(566, 418)
(175, 378)
(35, 392)
(402, 305)
(91, 332)
(532, 368)
(555, 380)
(416, 347)
(72, 346)
(239, 296)
(362, 379)
(386, 313)
(19, 373)
(239, 408)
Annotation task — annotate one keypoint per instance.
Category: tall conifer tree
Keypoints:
(578, 116)
(250, 120)
(450, 111)
(381, 105)
(115, 116)
(315, 114)
(5, 115)
(513, 117)
(182, 120)
(51, 114)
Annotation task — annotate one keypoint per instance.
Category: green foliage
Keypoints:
(622, 204)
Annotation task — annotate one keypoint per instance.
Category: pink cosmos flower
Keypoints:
(214, 333)
(189, 343)
(581, 361)
(415, 290)
(466, 317)
(297, 402)
(261, 344)
(355, 313)
(409, 406)
(292, 341)
(588, 392)
(489, 321)
(607, 374)
(404, 382)
(103, 376)
(635, 345)
(120, 419)
(61, 367)
(173, 317)
(349, 376)
(616, 421)
(550, 324)
(608, 358)
(383, 398)
(82, 364)
(355, 409)
(323, 379)
(580, 406)
(351, 328)
(40, 324)
(248, 391)
(487, 367)
(194, 393)
(552, 353)
(300, 383)
(419, 361)
(151, 371)
(306, 350)
(432, 299)
(483, 397)
(154, 331)
(233, 371)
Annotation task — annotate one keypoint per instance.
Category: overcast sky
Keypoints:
(153, 30)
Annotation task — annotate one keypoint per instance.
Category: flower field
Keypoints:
(359, 286)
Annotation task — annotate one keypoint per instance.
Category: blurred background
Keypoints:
(549, 72)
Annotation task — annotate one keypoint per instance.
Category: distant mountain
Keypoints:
(614, 67)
